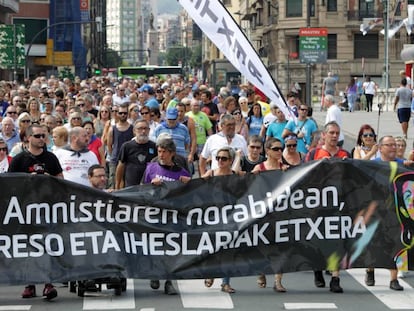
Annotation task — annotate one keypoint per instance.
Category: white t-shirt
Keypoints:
(217, 141)
(75, 165)
(335, 114)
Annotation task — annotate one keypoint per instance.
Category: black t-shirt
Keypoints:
(135, 157)
(25, 162)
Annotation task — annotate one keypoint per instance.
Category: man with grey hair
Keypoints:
(134, 156)
(8, 132)
(163, 170)
(227, 137)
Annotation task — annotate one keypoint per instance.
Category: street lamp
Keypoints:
(98, 21)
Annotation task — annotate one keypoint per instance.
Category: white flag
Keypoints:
(220, 27)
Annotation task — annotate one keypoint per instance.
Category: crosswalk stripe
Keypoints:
(402, 300)
(15, 307)
(106, 300)
(309, 305)
(194, 294)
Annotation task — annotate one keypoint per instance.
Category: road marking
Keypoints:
(106, 300)
(309, 305)
(147, 309)
(16, 307)
(194, 294)
(402, 300)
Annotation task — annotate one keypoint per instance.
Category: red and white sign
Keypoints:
(84, 5)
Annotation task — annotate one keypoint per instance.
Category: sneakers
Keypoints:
(169, 288)
(29, 291)
(319, 280)
(155, 284)
(369, 278)
(402, 274)
(334, 285)
(394, 285)
(49, 291)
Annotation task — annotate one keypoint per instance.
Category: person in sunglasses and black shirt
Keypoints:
(37, 160)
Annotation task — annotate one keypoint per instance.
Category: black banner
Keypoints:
(323, 215)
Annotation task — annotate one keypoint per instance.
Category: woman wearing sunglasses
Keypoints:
(366, 148)
(224, 157)
(290, 155)
(274, 149)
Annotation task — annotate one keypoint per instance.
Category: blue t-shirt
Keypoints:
(307, 127)
(255, 125)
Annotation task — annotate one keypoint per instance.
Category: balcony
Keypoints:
(356, 15)
(9, 6)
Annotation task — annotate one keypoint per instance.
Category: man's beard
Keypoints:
(142, 138)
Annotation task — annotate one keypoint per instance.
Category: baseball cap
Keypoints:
(146, 88)
(172, 113)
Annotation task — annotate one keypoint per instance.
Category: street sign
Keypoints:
(12, 40)
(313, 45)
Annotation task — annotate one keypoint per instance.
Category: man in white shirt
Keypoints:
(334, 113)
(75, 158)
(227, 137)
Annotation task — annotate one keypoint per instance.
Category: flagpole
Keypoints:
(386, 52)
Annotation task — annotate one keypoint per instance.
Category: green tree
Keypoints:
(178, 55)
(196, 59)
(113, 59)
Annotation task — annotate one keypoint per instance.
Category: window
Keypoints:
(332, 6)
(32, 28)
(332, 46)
(366, 46)
(293, 8)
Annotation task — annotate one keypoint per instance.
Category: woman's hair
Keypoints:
(230, 151)
(228, 100)
(250, 113)
(61, 131)
(270, 141)
(361, 131)
(24, 115)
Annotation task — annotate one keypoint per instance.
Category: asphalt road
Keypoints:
(301, 295)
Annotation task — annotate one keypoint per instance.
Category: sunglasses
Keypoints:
(80, 105)
(224, 159)
(122, 113)
(236, 113)
(256, 147)
(276, 148)
(143, 113)
(25, 121)
(291, 145)
(303, 109)
(368, 135)
(39, 135)
(11, 112)
(59, 122)
(3, 149)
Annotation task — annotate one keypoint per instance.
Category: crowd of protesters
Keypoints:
(155, 130)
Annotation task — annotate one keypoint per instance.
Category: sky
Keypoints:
(168, 6)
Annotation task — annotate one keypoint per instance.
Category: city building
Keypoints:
(61, 33)
(273, 28)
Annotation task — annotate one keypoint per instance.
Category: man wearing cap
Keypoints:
(149, 99)
(179, 132)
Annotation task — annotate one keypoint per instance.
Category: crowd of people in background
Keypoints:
(161, 130)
